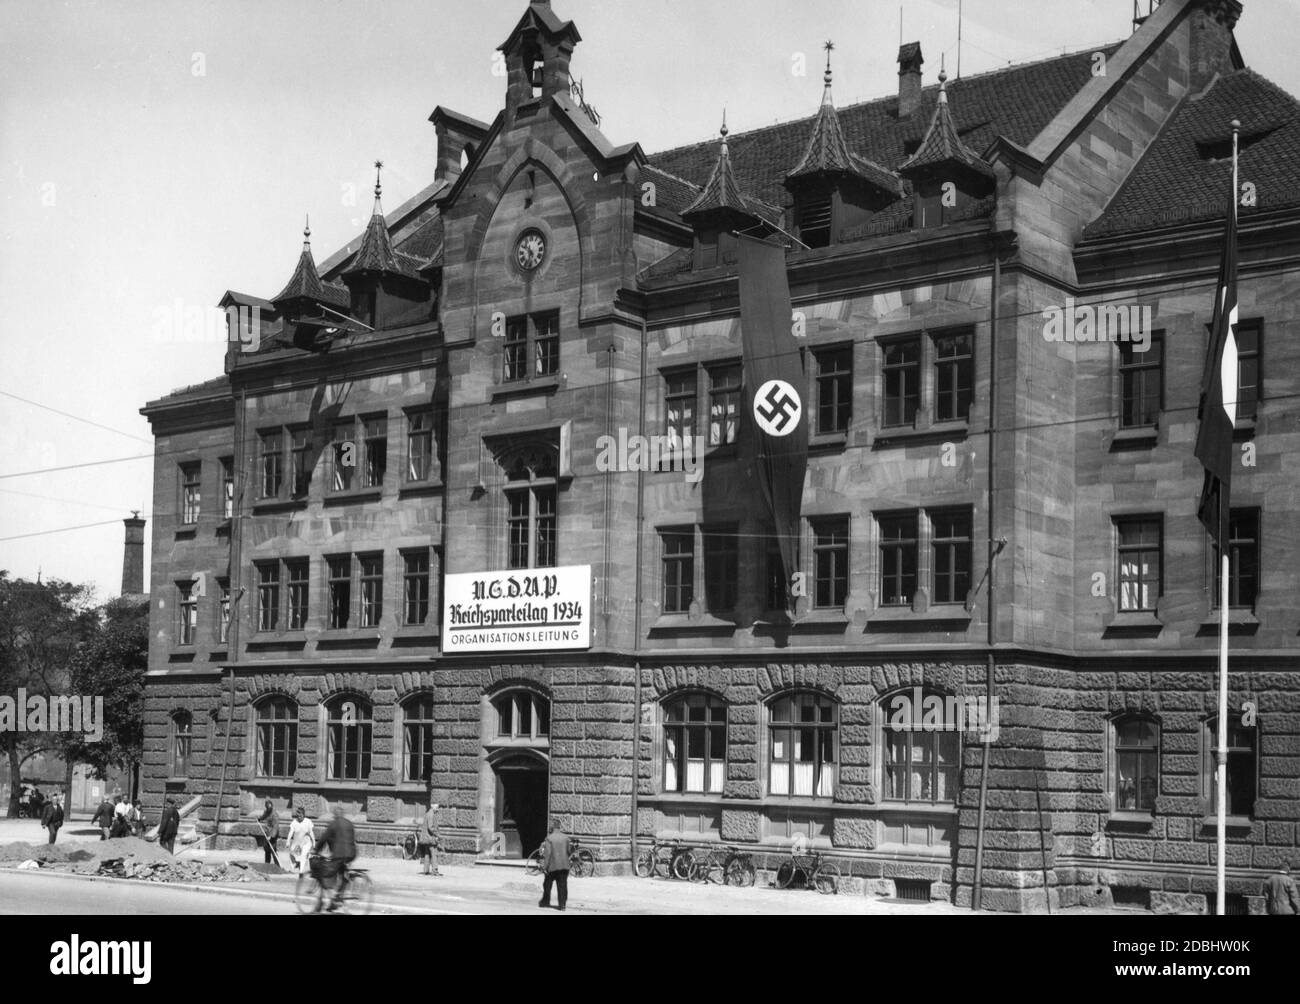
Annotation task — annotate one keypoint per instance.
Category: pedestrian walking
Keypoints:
(555, 859)
(270, 824)
(137, 819)
(300, 840)
(103, 818)
(428, 839)
(52, 816)
(168, 825)
(1280, 893)
(121, 826)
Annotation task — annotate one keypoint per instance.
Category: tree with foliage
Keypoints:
(42, 626)
(112, 662)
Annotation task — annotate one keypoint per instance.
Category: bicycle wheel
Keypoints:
(306, 894)
(698, 872)
(785, 875)
(360, 894)
(534, 865)
(739, 872)
(682, 865)
(645, 864)
(583, 864)
(409, 847)
(828, 878)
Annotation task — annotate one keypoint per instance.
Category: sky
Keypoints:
(154, 154)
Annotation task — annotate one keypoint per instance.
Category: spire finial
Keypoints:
(306, 233)
(379, 166)
(829, 47)
(723, 131)
(943, 80)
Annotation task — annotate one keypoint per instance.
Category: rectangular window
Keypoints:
(518, 527)
(679, 408)
(1248, 369)
(1139, 545)
(191, 493)
(898, 547)
(268, 595)
(340, 590)
(951, 544)
(344, 453)
(1243, 770)
(376, 451)
(1141, 382)
(300, 459)
(815, 222)
(679, 570)
(189, 613)
(1243, 560)
(546, 343)
(227, 487)
(830, 562)
(372, 589)
(271, 445)
(954, 376)
(545, 499)
(724, 404)
(921, 766)
(803, 734)
(1137, 764)
(515, 353)
(297, 574)
(419, 445)
(415, 587)
(902, 376)
(223, 603)
(721, 568)
(834, 390)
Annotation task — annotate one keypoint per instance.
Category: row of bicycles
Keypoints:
(727, 865)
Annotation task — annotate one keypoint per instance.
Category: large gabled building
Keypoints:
(464, 404)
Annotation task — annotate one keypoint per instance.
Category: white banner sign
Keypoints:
(520, 610)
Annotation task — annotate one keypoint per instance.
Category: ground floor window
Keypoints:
(802, 735)
(695, 744)
(348, 730)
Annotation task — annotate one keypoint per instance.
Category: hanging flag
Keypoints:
(1218, 408)
(774, 389)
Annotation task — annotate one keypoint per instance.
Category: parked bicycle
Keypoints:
(582, 863)
(724, 865)
(810, 871)
(356, 895)
(668, 858)
(408, 846)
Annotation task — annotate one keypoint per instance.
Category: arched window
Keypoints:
(1243, 766)
(523, 715)
(348, 733)
(277, 738)
(695, 744)
(922, 746)
(417, 737)
(182, 743)
(1134, 777)
(802, 731)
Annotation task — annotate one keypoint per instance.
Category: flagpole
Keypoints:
(1222, 757)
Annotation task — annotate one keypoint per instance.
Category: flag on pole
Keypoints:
(774, 388)
(1218, 408)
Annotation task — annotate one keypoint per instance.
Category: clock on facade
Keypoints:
(531, 250)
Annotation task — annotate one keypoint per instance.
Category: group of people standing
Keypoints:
(119, 817)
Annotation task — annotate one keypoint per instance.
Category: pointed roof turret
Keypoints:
(305, 283)
(722, 194)
(376, 252)
(942, 146)
(827, 152)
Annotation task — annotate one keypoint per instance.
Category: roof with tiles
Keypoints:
(1185, 175)
(1016, 102)
(306, 283)
(942, 144)
(722, 191)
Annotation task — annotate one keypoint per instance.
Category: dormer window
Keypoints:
(815, 213)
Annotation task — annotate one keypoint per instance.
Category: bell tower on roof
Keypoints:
(537, 56)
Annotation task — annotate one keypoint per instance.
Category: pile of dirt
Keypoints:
(118, 849)
(182, 870)
(18, 852)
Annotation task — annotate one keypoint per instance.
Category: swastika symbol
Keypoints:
(777, 408)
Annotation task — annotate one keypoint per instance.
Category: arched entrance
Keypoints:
(521, 802)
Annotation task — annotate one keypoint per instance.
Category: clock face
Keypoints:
(531, 250)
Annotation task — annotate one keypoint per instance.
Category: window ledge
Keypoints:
(1137, 623)
(1244, 430)
(187, 532)
(923, 809)
(832, 617)
(354, 496)
(1231, 822)
(283, 639)
(348, 638)
(1241, 621)
(938, 432)
(412, 489)
(686, 623)
(1141, 438)
(223, 528)
(947, 613)
(279, 505)
(518, 388)
(1131, 820)
(828, 442)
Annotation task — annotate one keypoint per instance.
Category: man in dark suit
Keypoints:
(1280, 893)
(52, 816)
(103, 818)
(555, 859)
(168, 826)
(341, 840)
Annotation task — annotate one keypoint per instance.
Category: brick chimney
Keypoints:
(909, 79)
(133, 556)
(456, 134)
(1211, 23)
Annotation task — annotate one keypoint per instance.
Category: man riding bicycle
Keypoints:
(341, 840)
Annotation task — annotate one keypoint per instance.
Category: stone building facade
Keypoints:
(994, 515)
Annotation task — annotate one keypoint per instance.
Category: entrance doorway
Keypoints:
(521, 803)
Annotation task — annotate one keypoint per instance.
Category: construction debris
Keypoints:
(132, 858)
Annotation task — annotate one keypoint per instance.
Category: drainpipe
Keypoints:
(236, 578)
(636, 616)
(977, 892)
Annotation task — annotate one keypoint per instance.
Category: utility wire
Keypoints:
(75, 418)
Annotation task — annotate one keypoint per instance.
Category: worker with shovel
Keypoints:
(269, 823)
